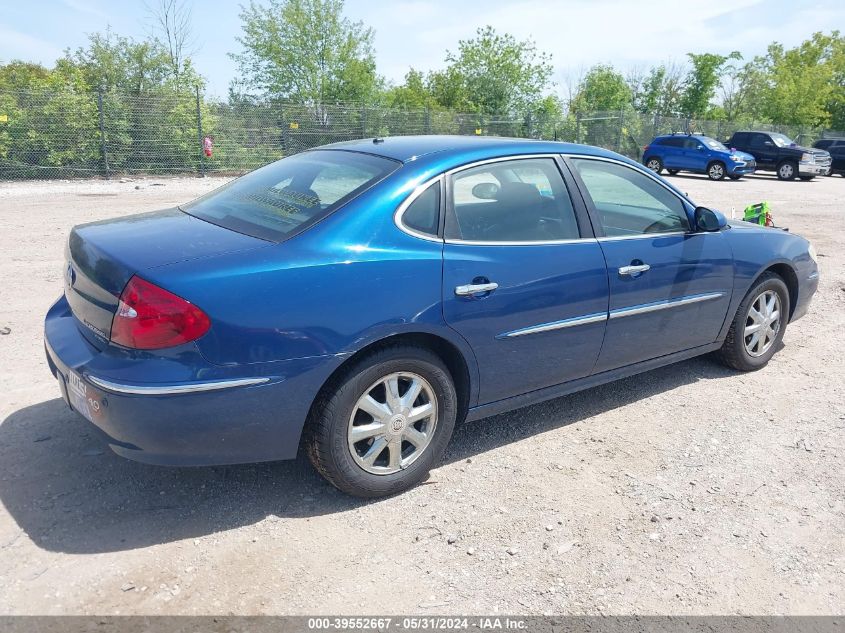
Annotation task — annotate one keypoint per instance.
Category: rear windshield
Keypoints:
(283, 198)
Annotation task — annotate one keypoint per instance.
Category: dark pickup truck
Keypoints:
(778, 153)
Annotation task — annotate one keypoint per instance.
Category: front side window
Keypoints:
(283, 198)
(628, 202)
(523, 200)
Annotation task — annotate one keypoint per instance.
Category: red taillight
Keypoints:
(149, 317)
(645, 147)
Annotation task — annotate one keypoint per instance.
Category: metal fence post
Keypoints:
(577, 127)
(199, 134)
(103, 151)
(363, 120)
(619, 135)
(427, 120)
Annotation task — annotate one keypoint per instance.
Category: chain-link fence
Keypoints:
(66, 134)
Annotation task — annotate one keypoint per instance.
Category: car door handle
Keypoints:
(634, 269)
(475, 289)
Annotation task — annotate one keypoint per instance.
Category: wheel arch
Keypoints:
(459, 362)
(790, 278)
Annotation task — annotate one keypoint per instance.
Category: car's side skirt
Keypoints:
(556, 391)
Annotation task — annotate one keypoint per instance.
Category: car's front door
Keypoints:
(764, 150)
(669, 286)
(524, 279)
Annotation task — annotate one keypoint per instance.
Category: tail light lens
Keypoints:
(645, 147)
(149, 317)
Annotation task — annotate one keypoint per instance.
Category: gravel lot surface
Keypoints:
(687, 490)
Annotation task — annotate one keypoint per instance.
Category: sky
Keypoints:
(577, 33)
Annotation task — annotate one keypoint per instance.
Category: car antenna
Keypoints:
(377, 140)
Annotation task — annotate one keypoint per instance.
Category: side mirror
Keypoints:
(768, 144)
(700, 148)
(485, 190)
(709, 220)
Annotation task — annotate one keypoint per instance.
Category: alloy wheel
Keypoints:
(392, 423)
(762, 323)
(654, 165)
(716, 172)
(786, 171)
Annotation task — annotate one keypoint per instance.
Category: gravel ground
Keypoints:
(687, 490)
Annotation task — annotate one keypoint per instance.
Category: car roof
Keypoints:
(409, 148)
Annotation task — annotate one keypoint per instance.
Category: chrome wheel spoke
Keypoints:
(750, 329)
(411, 395)
(395, 451)
(362, 432)
(391, 389)
(376, 409)
(374, 451)
(415, 437)
(420, 413)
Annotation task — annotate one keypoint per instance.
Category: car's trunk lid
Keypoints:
(101, 257)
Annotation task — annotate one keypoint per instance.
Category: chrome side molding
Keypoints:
(166, 390)
(664, 305)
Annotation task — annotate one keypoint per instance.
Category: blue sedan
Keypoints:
(361, 298)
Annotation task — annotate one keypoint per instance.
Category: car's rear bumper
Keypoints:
(193, 414)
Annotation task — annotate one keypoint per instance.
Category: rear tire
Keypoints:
(654, 164)
(716, 170)
(383, 461)
(741, 350)
(787, 170)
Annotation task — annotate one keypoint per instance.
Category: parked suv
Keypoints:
(836, 148)
(780, 154)
(699, 154)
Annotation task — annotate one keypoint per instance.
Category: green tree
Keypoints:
(305, 50)
(414, 94)
(659, 92)
(702, 80)
(493, 74)
(804, 84)
(602, 89)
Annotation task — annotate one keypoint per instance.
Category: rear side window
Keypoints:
(673, 142)
(423, 214)
(285, 197)
(522, 200)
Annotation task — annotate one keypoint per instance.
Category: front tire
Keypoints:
(384, 424)
(759, 325)
(673, 172)
(716, 170)
(806, 178)
(787, 170)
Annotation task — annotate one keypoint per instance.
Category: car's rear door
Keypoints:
(524, 279)
(669, 286)
(673, 153)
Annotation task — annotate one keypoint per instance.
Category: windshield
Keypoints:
(283, 198)
(713, 143)
(782, 140)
